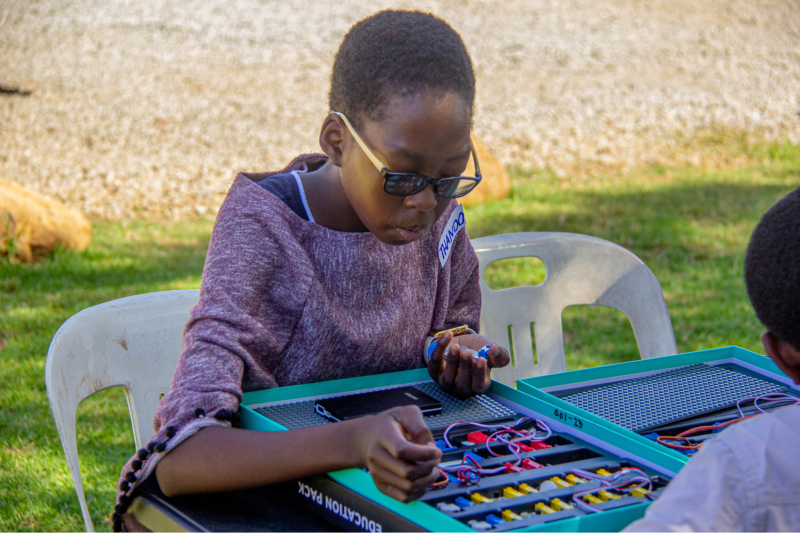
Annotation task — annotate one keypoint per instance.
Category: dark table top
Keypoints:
(263, 509)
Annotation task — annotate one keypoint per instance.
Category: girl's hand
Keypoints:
(399, 451)
(458, 373)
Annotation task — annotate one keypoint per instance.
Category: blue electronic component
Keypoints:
(463, 502)
(483, 352)
(442, 446)
(432, 347)
(495, 520)
(452, 477)
(475, 456)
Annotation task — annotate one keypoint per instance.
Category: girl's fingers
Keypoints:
(498, 356)
(410, 419)
(447, 381)
(404, 489)
(464, 377)
(437, 360)
(398, 494)
(479, 373)
(392, 491)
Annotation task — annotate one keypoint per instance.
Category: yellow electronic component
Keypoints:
(558, 505)
(591, 498)
(560, 482)
(605, 496)
(639, 492)
(603, 472)
(572, 478)
(508, 515)
(526, 489)
(480, 498)
(542, 508)
(509, 492)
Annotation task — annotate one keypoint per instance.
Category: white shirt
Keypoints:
(745, 479)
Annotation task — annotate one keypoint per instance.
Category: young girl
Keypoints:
(332, 268)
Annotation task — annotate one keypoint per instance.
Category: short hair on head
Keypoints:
(772, 269)
(397, 54)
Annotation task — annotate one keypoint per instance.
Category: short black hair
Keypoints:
(397, 54)
(772, 269)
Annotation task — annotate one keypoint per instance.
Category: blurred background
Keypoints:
(668, 127)
(150, 108)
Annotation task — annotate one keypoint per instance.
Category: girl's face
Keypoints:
(426, 134)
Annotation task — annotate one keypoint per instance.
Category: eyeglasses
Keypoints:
(408, 183)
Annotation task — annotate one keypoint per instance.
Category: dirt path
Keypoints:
(149, 108)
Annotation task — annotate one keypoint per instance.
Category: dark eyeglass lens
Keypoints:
(404, 184)
(464, 187)
(408, 184)
(447, 188)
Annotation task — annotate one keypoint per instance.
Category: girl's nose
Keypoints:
(424, 200)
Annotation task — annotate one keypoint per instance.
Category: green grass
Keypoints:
(36, 491)
(690, 226)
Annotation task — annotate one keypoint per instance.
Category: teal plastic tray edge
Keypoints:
(257, 422)
(322, 388)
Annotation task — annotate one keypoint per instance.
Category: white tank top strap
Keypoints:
(303, 195)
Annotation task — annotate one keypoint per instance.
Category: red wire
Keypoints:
(712, 427)
(692, 431)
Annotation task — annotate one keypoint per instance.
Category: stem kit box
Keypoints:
(511, 461)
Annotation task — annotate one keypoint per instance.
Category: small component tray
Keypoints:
(534, 489)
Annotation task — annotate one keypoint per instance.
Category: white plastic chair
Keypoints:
(133, 343)
(581, 270)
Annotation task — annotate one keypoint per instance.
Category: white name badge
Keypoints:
(454, 224)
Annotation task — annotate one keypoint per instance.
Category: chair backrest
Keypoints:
(133, 343)
(581, 270)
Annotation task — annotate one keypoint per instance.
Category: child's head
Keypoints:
(772, 275)
(395, 54)
(404, 81)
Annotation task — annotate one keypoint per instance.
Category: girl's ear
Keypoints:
(331, 137)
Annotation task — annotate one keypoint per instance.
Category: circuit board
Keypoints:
(505, 467)
(547, 480)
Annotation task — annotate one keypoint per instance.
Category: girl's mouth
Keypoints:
(411, 234)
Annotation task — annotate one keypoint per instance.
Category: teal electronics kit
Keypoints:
(511, 462)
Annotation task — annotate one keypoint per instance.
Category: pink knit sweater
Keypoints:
(285, 301)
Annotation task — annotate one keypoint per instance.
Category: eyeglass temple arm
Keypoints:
(377, 162)
(475, 159)
(367, 151)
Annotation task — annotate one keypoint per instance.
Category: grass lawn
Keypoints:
(689, 225)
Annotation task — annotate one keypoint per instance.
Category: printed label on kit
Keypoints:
(454, 224)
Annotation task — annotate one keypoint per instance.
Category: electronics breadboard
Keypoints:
(676, 402)
(505, 466)
(639, 404)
